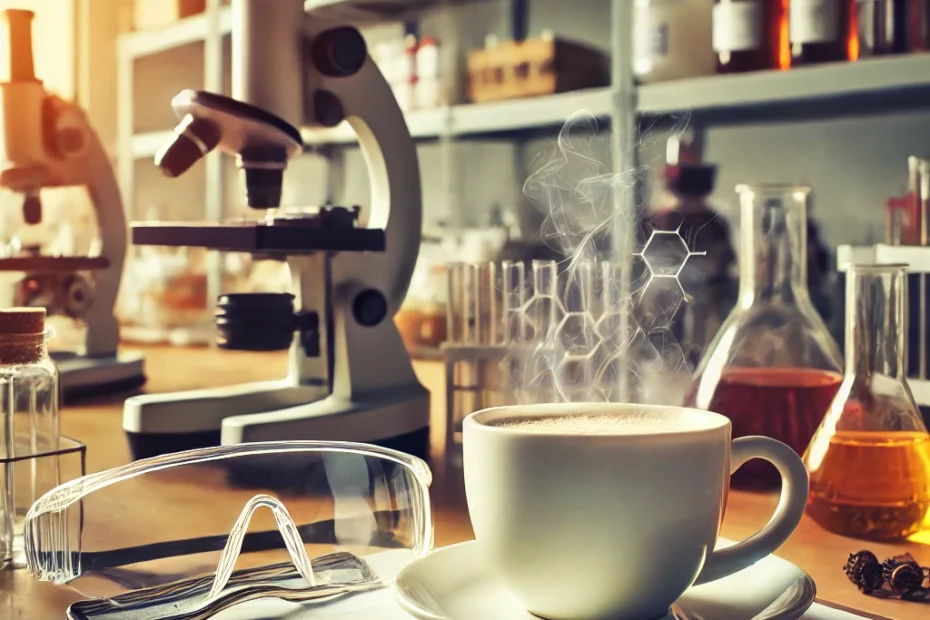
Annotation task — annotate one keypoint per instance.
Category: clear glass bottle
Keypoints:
(773, 367)
(869, 461)
(882, 27)
(28, 421)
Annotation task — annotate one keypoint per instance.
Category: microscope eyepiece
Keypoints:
(193, 138)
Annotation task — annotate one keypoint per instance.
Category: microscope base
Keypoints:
(82, 377)
(397, 418)
(157, 424)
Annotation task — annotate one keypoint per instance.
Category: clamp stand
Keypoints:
(48, 142)
(349, 377)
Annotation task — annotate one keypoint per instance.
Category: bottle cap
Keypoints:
(695, 180)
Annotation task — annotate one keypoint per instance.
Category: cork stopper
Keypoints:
(22, 335)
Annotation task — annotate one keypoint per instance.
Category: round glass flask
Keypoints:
(869, 461)
(773, 367)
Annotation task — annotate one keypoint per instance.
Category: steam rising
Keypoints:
(586, 339)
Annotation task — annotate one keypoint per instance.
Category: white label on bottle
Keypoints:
(737, 26)
(814, 21)
(650, 33)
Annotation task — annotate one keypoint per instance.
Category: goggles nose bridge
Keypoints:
(289, 533)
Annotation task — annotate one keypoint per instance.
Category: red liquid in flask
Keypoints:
(787, 404)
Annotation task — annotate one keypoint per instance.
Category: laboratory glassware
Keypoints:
(773, 367)
(869, 461)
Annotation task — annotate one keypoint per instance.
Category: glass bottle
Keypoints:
(773, 367)
(672, 39)
(750, 35)
(708, 276)
(820, 31)
(28, 421)
(918, 21)
(869, 461)
(881, 27)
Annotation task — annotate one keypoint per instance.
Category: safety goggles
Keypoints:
(185, 535)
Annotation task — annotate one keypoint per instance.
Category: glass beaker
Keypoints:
(773, 367)
(869, 461)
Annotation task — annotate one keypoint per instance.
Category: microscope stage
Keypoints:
(258, 237)
(54, 264)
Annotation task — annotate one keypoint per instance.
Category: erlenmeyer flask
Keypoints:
(870, 459)
(773, 367)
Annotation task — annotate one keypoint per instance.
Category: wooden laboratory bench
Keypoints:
(99, 425)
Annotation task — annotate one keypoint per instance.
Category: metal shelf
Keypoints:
(195, 29)
(519, 114)
(921, 391)
(917, 258)
(876, 79)
(183, 32)
(465, 120)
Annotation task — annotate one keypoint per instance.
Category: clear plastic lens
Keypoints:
(297, 513)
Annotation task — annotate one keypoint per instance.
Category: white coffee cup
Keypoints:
(587, 521)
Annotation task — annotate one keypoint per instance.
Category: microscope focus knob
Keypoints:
(339, 52)
(32, 209)
(370, 307)
(255, 321)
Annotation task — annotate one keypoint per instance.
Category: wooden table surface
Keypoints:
(99, 425)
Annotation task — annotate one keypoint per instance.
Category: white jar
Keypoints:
(672, 39)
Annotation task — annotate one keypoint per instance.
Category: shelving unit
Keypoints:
(883, 82)
(868, 86)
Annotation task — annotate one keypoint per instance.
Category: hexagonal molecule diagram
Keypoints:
(587, 341)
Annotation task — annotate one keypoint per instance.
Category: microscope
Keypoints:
(47, 142)
(349, 377)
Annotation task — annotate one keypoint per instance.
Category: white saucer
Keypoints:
(452, 583)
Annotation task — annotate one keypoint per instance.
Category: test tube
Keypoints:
(487, 304)
(455, 306)
(514, 293)
(545, 299)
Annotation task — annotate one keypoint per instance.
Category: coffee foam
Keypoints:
(633, 423)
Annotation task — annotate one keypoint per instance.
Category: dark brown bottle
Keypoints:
(820, 31)
(881, 27)
(750, 35)
(918, 20)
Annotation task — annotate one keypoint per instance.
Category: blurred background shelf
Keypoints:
(183, 32)
(196, 28)
(878, 83)
(917, 258)
(487, 119)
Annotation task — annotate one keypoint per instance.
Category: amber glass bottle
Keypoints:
(820, 31)
(751, 35)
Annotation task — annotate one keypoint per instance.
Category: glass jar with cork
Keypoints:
(28, 421)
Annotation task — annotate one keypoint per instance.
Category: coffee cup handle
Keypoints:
(788, 513)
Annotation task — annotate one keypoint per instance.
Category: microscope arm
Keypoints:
(373, 113)
(93, 169)
(73, 156)
(375, 394)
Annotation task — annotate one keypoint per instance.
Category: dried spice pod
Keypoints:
(890, 564)
(906, 579)
(864, 570)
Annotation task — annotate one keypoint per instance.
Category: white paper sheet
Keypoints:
(380, 604)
